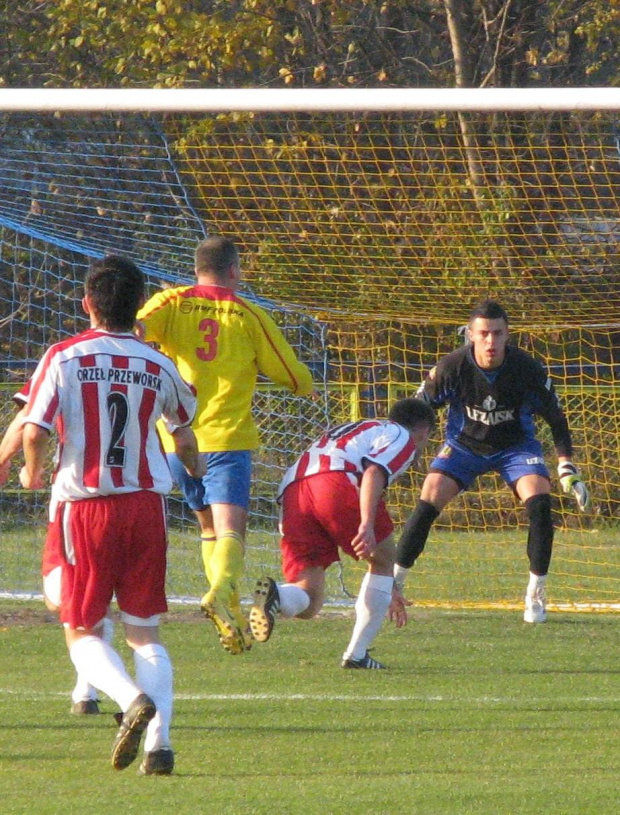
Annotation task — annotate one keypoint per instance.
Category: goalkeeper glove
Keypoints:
(570, 479)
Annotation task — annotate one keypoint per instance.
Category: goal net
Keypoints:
(369, 235)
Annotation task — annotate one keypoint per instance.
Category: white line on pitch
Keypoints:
(324, 697)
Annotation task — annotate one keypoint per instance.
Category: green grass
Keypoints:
(479, 713)
(457, 568)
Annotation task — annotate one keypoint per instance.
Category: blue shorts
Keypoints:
(511, 464)
(227, 480)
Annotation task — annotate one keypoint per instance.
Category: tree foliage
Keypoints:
(359, 43)
(305, 43)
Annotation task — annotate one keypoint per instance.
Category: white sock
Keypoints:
(83, 690)
(371, 607)
(99, 664)
(293, 600)
(154, 677)
(536, 583)
(107, 630)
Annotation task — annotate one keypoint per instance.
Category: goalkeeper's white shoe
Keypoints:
(535, 609)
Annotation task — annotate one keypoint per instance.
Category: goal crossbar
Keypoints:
(371, 221)
(307, 99)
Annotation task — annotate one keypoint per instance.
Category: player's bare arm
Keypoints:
(35, 442)
(10, 445)
(371, 489)
(186, 448)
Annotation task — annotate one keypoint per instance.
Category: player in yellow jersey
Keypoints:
(220, 341)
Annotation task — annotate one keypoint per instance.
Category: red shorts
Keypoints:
(109, 545)
(320, 514)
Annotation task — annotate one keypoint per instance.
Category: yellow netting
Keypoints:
(391, 215)
(389, 360)
(387, 228)
(390, 229)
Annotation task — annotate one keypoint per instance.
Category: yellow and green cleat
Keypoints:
(229, 628)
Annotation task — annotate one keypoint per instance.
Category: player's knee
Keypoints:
(316, 604)
(52, 589)
(538, 509)
(49, 605)
(415, 532)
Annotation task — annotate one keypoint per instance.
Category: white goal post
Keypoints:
(216, 100)
(369, 218)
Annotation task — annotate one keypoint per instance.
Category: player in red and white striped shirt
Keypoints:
(331, 499)
(104, 391)
(107, 389)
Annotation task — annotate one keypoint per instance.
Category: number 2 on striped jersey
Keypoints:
(118, 411)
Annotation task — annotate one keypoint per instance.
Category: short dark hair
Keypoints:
(411, 412)
(489, 310)
(215, 255)
(115, 288)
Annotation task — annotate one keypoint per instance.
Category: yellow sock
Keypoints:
(208, 545)
(226, 565)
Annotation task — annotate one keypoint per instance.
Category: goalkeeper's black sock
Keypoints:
(413, 538)
(540, 537)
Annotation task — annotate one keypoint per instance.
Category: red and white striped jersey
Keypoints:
(351, 447)
(104, 392)
(20, 397)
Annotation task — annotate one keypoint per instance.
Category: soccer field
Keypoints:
(479, 713)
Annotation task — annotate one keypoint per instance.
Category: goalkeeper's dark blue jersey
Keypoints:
(490, 411)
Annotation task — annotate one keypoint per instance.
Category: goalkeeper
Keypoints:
(220, 342)
(493, 390)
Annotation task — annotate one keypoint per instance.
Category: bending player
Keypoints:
(331, 498)
(493, 390)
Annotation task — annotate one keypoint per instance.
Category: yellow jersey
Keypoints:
(220, 342)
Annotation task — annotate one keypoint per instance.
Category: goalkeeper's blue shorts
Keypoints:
(227, 480)
(511, 464)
